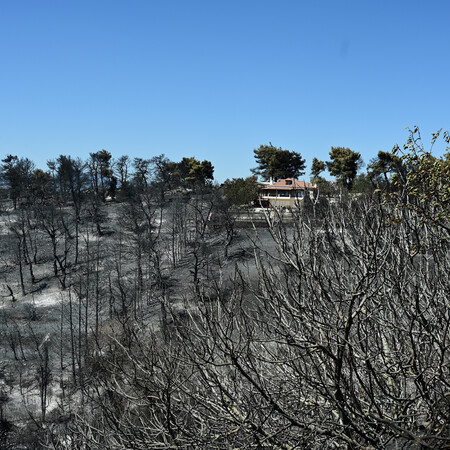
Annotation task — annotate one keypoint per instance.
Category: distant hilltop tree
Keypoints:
(15, 175)
(384, 166)
(241, 191)
(344, 165)
(191, 171)
(317, 168)
(276, 163)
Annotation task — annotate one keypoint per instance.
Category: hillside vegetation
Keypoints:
(152, 319)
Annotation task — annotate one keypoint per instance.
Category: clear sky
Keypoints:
(215, 79)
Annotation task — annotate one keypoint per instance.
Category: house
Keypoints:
(286, 192)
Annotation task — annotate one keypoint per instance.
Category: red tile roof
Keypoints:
(295, 184)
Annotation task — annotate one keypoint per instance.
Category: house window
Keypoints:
(288, 182)
(297, 194)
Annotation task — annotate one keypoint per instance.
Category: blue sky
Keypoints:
(216, 79)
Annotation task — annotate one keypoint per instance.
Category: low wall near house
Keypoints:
(257, 215)
(281, 202)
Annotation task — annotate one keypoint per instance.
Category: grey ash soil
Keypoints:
(41, 329)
